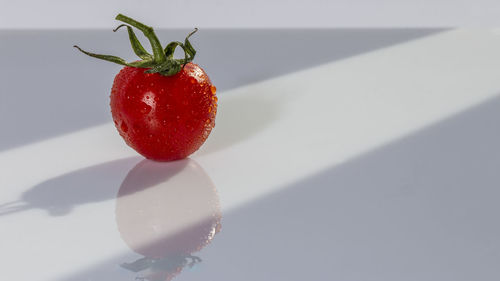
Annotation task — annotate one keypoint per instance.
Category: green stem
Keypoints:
(158, 55)
(136, 45)
(162, 61)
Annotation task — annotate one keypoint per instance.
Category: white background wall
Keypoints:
(250, 13)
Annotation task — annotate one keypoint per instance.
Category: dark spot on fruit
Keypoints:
(124, 127)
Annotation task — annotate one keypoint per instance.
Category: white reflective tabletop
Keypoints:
(338, 154)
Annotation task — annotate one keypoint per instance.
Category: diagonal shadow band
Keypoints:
(421, 208)
(70, 92)
(59, 195)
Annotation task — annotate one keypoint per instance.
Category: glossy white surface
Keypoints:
(379, 165)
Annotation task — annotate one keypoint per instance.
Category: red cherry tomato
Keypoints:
(163, 107)
(164, 117)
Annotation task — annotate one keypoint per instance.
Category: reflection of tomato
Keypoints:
(164, 269)
(167, 209)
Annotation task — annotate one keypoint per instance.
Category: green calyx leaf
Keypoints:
(161, 61)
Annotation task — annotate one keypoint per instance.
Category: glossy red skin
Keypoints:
(164, 118)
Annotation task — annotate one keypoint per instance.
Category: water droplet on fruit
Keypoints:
(192, 80)
(150, 135)
(145, 108)
(213, 89)
(152, 84)
(178, 117)
(147, 97)
(128, 97)
(207, 131)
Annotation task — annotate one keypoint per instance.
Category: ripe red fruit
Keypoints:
(164, 117)
(163, 107)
